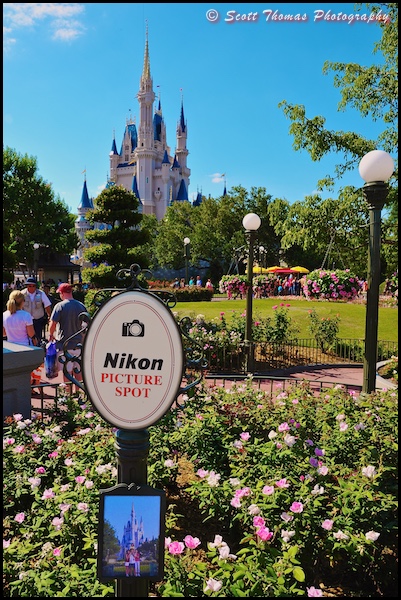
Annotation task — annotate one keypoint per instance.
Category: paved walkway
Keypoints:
(349, 375)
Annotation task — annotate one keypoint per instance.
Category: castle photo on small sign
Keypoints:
(131, 533)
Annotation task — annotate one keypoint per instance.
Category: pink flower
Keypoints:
(53, 454)
(20, 517)
(80, 479)
(202, 473)
(327, 524)
(176, 548)
(57, 522)
(235, 502)
(191, 542)
(245, 436)
(297, 507)
(40, 470)
(48, 494)
(57, 552)
(268, 490)
(282, 483)
(314, 592)
(83, 506)
(264, 533)
(284, 427)
(258, 521)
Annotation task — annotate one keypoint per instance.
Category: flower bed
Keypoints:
(331, 285)
(289, 495)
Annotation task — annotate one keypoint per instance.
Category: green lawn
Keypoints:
(352, 316)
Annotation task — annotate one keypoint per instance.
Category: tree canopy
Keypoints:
(32, 213)
(119, 242)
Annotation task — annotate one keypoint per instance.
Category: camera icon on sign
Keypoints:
(133, 329)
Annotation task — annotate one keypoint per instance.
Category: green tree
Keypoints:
(332, 230)
(120, 241)
(111, 545)
(373, 91)
(31, 212)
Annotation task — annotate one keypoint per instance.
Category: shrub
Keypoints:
(324, 330)
(271, 495)
(331, 285)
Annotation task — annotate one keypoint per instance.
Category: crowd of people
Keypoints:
(34, 317)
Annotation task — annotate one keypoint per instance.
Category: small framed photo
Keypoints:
(131, 532)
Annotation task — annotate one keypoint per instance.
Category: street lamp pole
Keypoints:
(251, 223)
(186, 256)
(35, 260)
(375, 168)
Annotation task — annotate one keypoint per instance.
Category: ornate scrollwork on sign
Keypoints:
(75, 360)
(195, 362)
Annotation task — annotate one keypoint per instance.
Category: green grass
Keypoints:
(352, 316)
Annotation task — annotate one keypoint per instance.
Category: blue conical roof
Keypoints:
(135, 187)
(166, 158)
(86, 202)
(198, 199)
(182, 120)
(182, 192)
(114, 147)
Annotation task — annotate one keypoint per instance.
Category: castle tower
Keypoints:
(145, 164)
(82, 225)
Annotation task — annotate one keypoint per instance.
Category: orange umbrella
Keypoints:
(272, 269)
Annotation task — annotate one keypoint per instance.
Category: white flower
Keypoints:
(317, 489)
(372, 535)
(272, 435)
(340, 535)
(213, 585)
(289, 440)
(369, 471)
(213, 479)
(287, 535)
(254, 509)
(218, 541)
(234, 481)
(224, 553)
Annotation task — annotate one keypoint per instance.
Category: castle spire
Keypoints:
(146, 63)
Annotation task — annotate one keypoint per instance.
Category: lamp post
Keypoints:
(262, 253)
(251, 223)
(186, 256)
(35, 259)
(375, 168)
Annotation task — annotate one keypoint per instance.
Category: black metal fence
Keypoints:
(301, 352)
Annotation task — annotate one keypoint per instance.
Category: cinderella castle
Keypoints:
(133, 534)
(145, 164)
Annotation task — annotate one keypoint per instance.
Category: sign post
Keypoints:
(133, 367)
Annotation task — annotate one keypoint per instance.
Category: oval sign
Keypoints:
(132, 360)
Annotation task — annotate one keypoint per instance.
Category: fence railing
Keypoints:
(301, 352)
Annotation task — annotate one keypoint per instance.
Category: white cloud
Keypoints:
(217, 178)
(59, 18)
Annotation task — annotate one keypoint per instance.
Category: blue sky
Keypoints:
(71, 74)
(117, 510)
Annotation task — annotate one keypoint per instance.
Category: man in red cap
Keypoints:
(64, 322)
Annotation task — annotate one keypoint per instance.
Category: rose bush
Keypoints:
(283, 493)
(331, 285)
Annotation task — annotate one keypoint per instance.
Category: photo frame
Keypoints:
(131, 532)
